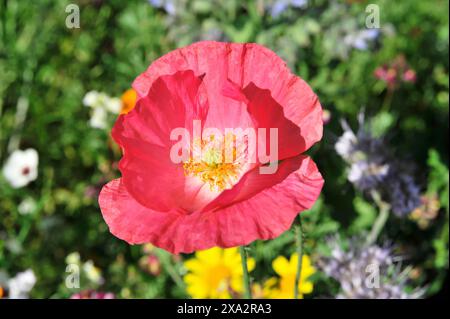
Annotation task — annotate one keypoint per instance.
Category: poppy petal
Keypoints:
(263, 216)
(173, 102)
(242, 63)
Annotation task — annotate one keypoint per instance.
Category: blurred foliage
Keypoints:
(52, 67)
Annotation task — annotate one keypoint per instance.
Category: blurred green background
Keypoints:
(50, 68)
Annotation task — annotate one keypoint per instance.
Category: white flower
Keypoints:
(113, 105)
(345, 144)
(21, 167)
(21, 285)
(92, 272)
(90, 99)
(99, 118)
(101, 104)
(73, 258)
(27, 206)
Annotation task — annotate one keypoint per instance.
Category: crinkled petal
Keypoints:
(268, 116)
(242, 63)
(148, 171)
(264, 216)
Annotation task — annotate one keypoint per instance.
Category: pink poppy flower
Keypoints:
(195, 205)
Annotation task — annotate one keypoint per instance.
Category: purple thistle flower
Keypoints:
(279, 6)
(373, 167)
(168, 5)
(366, 272)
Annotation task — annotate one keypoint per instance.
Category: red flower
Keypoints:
(200, 204)
(409, 76)
(396, 72)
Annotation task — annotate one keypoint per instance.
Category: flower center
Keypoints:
(211, 164)
(25, 171)
(219, 277)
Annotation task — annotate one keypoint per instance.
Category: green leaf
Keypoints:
(366, 215)
(381, 123)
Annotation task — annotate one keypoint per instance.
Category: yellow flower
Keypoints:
(215, 273)
(257, 291)
(128, 101)
(283, 287)
(93, 273)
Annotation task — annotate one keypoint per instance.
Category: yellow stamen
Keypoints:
(212, 168)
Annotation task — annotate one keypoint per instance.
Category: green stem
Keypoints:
(166, 261)
(24, 230)
(246, 278)
(299, 243)
(379, 223)
(387, 100)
